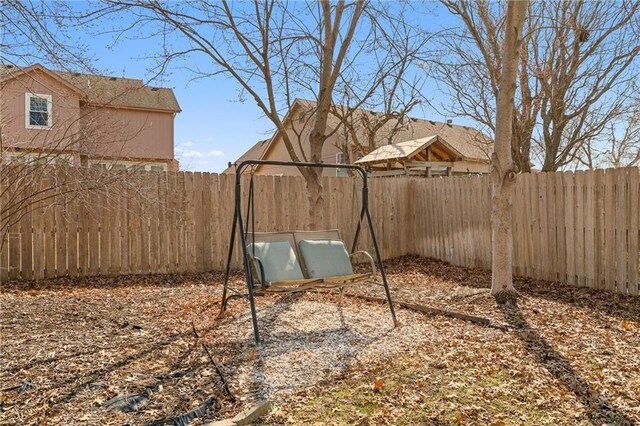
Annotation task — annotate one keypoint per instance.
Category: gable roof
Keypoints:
(254, 153)
(398, 151)
(9, 72)
(106, 90)
(469, 142)
(123, 92)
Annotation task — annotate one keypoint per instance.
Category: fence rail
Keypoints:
(581, 228)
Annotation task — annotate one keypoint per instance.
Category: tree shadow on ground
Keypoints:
(277, 343)
(596, 405)
(213, 278)
(81, 383)
(598, 301)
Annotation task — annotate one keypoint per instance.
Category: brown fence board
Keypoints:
(589, 212)
(609, 222)
(26, 243)
(600, 229)
(633, 218)
(621, 230)
(49, 225)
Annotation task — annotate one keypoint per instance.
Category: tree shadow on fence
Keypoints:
(597, 407)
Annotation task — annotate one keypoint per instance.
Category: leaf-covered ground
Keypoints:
(564, 355)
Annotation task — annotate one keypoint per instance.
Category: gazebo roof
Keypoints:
(403, 151)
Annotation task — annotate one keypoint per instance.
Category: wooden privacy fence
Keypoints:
(144, 222)
(581, 228)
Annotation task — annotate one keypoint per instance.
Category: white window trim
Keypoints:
(27, 111)
(31, 158)
(341, 159)
(129, 165)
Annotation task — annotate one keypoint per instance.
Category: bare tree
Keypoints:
(38, 170)
(31, 166)
(502, 173)
(33, 32)
(375, 111)
(577, 62)
(275, 52)
(619, 143)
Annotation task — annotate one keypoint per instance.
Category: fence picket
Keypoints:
(633, 218)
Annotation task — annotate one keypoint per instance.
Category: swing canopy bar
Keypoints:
(296, 261)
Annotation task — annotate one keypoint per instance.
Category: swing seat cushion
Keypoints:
(278, 259)
(325, 258)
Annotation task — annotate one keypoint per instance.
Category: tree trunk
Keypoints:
(315, 200)
(313, 176)
(502, 173)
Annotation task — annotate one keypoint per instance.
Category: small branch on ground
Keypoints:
(427, 310)
(225, 386)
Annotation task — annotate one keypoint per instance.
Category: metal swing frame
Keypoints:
(242, 229)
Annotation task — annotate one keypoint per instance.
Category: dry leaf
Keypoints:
(378, 385)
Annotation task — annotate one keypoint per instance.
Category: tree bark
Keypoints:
(503, 175)
(313, 179)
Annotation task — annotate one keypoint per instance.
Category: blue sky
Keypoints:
(213, 127)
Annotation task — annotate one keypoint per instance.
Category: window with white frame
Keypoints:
(340, 159)
(38, 111)
(34, 158)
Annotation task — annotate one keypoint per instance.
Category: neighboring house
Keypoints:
(453, 149)
(85, 120)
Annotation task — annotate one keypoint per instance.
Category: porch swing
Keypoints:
(297, 261)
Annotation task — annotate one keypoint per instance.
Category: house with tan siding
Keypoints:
(88, 120)
(451, 149)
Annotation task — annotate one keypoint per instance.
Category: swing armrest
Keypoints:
(370, 258)
(256, 261)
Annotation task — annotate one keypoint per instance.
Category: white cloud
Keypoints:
(187, 144)
(191, 153)
(215, 153)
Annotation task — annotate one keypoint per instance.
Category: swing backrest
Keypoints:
(323, 254)
(277, 254)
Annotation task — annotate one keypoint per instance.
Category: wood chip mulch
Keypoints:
(73, 349)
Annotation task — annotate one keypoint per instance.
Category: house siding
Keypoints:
(65, 127)
(277, 150)
(83, 130)
(114, 132)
